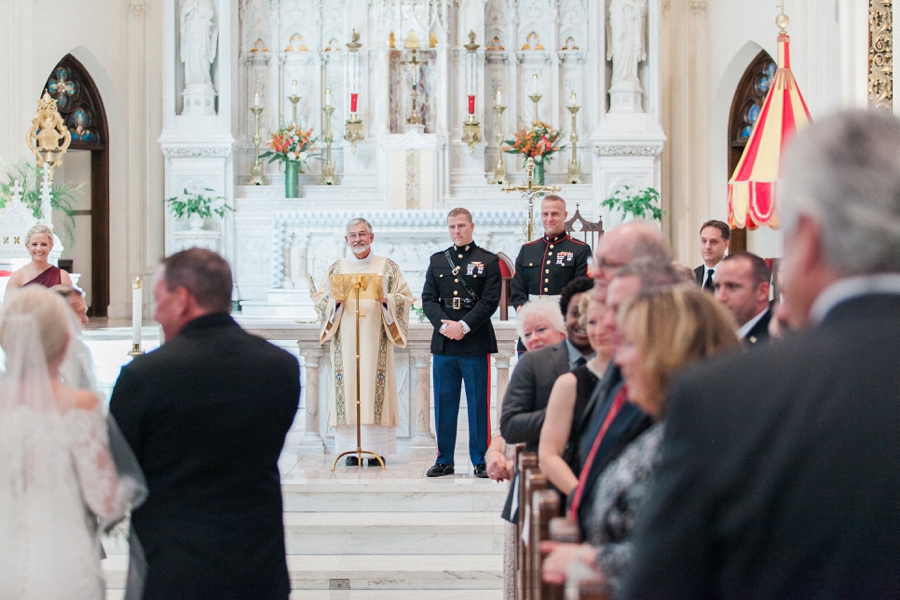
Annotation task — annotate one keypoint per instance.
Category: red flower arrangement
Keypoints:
(537, 141)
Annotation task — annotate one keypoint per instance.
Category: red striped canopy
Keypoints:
(752, 189)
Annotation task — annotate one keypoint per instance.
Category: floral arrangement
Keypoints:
(418, 309)
(537, 140)
(197, 204)
(290, 145)
(636, 204)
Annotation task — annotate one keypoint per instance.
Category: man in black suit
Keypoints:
(525, 402)
(742, 285)
(715, 236)
(206, 415)
(462, 291)
(546, 265)
(786, 486)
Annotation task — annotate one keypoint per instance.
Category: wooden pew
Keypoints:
(545, 507)
(564, 531)
(526, 462)
(535, 481)
(593, 589)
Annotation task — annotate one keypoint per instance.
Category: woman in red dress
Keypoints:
(39, 242)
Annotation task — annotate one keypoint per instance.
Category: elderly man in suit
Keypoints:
(742, 285)
(206, 415)
(786, 486)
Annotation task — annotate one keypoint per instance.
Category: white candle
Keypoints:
(327, 97)
(137, 299)
(534, 86)
(499, 97)
(294, 88)
(256, 99)
(572, 100)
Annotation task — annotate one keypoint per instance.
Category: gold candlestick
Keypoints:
(257, 171)
(328, 177)
(294, 98)
(500, 166)
(535, 97)
(574, 175)
(353, 127)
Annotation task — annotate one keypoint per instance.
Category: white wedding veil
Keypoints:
(56, 447)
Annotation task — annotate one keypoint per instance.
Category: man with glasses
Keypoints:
(385, 326)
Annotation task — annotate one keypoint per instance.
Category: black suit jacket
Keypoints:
(206, 415)
(525, 402)
(786, 486)
(480, 270)
(698, 274)
(760, 332)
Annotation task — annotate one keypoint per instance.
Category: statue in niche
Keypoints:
(199, 35)
(625, 42)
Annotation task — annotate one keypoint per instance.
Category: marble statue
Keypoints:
(625, 42)
(199, 34)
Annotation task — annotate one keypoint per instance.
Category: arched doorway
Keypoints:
(745, 106)
(81, 107)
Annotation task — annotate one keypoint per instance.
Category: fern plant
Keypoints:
(196, 204)
(62, 197)
(637, 204)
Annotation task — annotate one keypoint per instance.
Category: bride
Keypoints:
(58, 477)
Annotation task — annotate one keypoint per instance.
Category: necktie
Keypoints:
(709, 281)
(580, 362)
(617, 403)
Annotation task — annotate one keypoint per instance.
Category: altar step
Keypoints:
(391, 534)
(291, 304)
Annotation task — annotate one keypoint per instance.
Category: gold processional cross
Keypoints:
(529, 191)
(414, 118)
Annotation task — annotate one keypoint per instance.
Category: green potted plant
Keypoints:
(197, 207)
(637, 204)
(62, 197)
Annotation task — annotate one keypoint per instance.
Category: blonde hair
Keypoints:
(674, 327)
(50, 312)
(39, 228)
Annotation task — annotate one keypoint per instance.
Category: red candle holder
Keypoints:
(354, 101)
(471, 104)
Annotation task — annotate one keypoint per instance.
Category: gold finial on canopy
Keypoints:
(48, 137)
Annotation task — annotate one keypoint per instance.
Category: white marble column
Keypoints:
(501, 361)
(422, 441)
(311, 442)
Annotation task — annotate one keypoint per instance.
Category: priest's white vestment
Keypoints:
(382, 328)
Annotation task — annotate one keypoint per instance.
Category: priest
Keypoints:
(383, 325)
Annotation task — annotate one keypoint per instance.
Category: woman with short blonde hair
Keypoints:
(39, 243)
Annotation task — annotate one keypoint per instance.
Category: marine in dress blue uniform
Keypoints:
(546, 265)
(459, 301)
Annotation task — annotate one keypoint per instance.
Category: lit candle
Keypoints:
(294, 87)
(499, 97)
(327, 97)
(471, 104)
(534, 86)
(354, 99)
(572, 100)
(256, 99)
(137, 298)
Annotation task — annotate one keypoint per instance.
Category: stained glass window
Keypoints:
(78, 102)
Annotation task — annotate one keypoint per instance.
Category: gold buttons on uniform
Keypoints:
(546, 270)
(441, 275)
(548, 262)
(549, 254)
(551, 246)
(456, 281)
(546, 281)
(460, 255)
(530, 264)
(455, 293)
(546, 290)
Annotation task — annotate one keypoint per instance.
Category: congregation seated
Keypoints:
(39, 243)
(662, 331)
(571, 392)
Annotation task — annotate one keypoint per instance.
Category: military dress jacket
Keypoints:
(546, 265)
(445, 297)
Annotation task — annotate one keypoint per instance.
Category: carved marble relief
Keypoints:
(881, 54)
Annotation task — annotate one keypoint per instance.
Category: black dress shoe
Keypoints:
(351, 461)
(481, 471)
(373, 462)
(439, 470)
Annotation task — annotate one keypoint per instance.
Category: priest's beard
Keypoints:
(360, 250)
